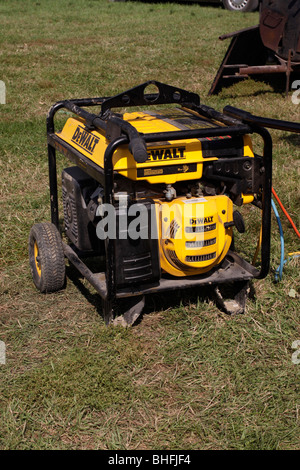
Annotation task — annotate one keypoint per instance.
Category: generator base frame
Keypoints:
(233, 268)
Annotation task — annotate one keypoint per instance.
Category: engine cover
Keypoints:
(77, 188)
(195, 233)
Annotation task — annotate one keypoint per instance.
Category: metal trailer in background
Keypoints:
(263, 51)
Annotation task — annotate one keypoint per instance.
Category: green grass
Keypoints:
(186, 376)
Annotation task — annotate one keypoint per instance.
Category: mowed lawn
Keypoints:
(186, 376)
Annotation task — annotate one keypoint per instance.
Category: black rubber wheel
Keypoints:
(46, 257)
(241, 5)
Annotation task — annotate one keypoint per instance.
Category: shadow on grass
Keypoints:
(276, 82)
(156, 302)
(292, 139)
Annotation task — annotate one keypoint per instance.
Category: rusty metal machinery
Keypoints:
(269, 48)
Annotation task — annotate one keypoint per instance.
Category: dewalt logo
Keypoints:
(201, 220)
(171, 153)
(85, 140)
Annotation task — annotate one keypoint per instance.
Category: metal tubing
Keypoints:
(53, 185)
(92, 119)
(51, 150)
(259, 125)
(109, 190)
(84, 270)
(197, 133)
(266, 201)
(262, 121)
(258, 69)
(211, 113)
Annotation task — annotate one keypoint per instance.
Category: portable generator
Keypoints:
(154, 193)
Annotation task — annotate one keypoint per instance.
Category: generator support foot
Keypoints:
(132, 313)
(231, 298)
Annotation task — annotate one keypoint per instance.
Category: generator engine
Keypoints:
(180, 235)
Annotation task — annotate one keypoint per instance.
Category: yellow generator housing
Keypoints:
(195, 234)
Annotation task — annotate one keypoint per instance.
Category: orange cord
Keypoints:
(285, 212)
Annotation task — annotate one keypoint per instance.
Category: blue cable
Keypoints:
(285, 261)
(278, 273)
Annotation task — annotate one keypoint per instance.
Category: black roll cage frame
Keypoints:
(235, 122)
